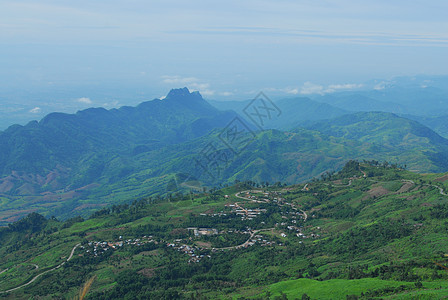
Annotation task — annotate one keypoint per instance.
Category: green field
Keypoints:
(340, 288)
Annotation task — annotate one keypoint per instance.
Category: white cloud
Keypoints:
(179, 80)
(35, 110)
(309, 88)
(84, 100)
(347, 86)
(113, 104)
(207, 93)
(199, 86)
(293, 91)
(226, 94)
(288, 90)
(380, 86)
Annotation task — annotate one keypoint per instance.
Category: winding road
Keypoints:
(441, 191)
(305, 216)
(246, 242)
(39, 275)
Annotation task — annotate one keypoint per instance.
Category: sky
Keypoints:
(69, 55)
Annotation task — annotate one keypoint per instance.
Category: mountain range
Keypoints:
(69, 164)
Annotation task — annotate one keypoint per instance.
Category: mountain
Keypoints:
(418, 100)
(76, 164)
(370, 231)
(298, 155)
(64, 139)
(397, 134)
(396, 96)
(69, 153)
(438, 124)
(294, 111)
(357, 102)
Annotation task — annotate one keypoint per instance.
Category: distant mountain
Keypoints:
(63, 139)
(357, 102)
(420, 100)
(294, 111)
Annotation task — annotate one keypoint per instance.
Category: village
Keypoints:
(197, 245)
(291, 217)
(97, 248)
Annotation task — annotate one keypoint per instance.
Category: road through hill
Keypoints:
(39, 275)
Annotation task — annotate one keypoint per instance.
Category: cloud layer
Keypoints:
(35, 110)
(84, 100)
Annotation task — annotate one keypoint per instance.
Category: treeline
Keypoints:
(33, 222)
(400, 271)
(360, 240)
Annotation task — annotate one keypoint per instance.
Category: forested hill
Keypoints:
(76, 164)
(369, 231)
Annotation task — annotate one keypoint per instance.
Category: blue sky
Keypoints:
(66, 55)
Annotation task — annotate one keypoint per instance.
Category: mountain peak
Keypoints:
(183, 95)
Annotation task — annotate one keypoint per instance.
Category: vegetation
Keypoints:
(69, 165)
(372, 230)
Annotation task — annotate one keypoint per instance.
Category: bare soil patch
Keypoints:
(405, 187)
(378, 191)
(148, 272)
(204, 244)
(442, 179)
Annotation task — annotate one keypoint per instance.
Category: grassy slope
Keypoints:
(392, 201)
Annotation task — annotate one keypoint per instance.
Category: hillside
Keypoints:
(399, 135)
(93, 174)
(369, 231)
(438, 124)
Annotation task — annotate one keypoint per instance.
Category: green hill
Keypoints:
(399, 135)
(370, 231)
